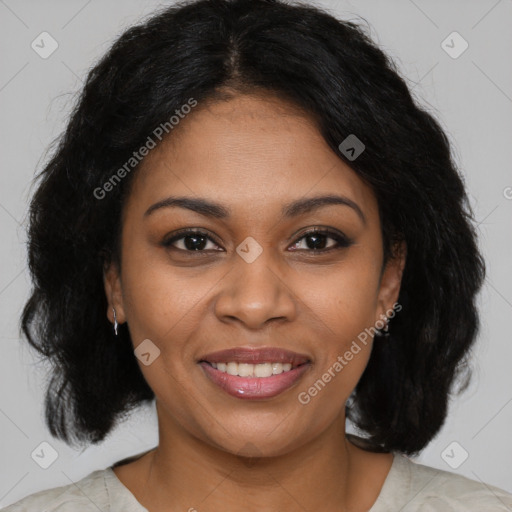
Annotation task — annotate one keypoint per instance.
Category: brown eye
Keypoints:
(190, 241)
(316, 241)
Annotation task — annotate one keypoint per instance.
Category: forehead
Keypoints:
(247, 152)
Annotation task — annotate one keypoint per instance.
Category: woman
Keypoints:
(279, 236)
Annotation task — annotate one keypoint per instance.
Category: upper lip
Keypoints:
(256, 355)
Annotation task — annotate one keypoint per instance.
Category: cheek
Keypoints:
(161, 302)
(346, 307)
(344, 297)
(344, 301)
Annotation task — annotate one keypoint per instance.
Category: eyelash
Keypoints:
(341, 240)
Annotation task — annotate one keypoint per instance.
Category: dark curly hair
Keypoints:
(334, 72)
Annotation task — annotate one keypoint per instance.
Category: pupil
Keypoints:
(192, 246)
(316, 243)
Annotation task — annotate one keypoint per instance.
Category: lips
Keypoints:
(256, 356)
(251, 387)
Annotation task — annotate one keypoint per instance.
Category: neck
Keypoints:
(328, 473)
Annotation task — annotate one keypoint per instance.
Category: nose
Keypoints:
(256, 293)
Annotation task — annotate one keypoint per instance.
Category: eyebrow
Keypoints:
(212, 209)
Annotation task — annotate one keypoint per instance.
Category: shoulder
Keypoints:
(428, 489)
(88, 494)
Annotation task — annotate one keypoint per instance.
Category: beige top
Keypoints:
(408, 487)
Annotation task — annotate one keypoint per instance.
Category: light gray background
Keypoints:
(470, 95)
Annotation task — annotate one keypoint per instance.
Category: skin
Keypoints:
(253, 154)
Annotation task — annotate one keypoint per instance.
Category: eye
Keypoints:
(315, 241)
(190, 240)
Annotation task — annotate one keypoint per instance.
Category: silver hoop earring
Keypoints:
(115, 321)
(384, 333)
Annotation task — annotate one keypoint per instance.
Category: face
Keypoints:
(255, 276)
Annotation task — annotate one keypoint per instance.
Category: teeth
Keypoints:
(252, 370)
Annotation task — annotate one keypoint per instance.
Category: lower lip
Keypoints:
(253, 388)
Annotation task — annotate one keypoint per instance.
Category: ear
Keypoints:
(391, 279)
(113, 292)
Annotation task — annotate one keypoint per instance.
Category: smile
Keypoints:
(254, 373)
